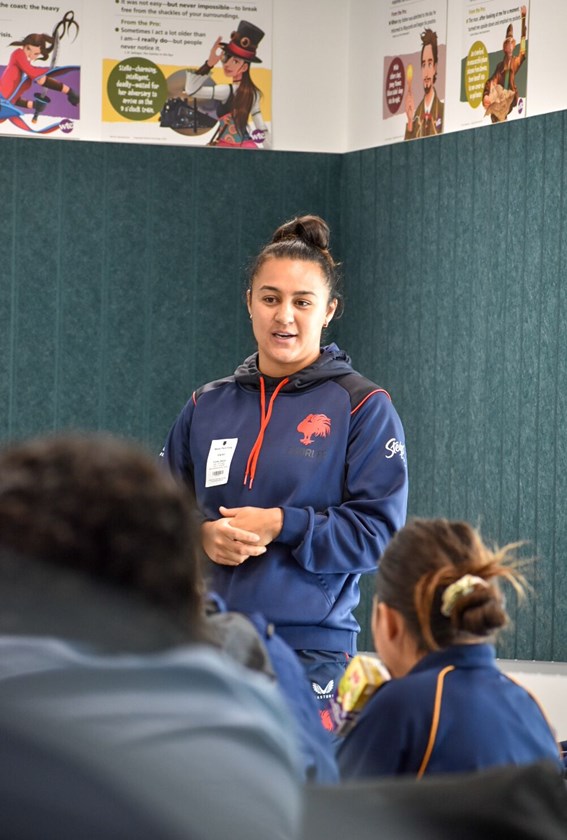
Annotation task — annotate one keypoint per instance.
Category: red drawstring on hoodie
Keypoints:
(255, 451)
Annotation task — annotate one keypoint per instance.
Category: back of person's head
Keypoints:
(443, 580)
(101, 506)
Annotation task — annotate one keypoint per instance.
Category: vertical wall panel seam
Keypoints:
(14, 298)
(58, 293)
(103, 340)
(538, 374)
(451, 378)
(420, 435)
(469, 352)
(436, 341)
(503, 428)
(556, 420)
(374, 317)
(520, 381)
(453, 427)
(194, 270)
(481, 273)
(239, 263)
(150, 246)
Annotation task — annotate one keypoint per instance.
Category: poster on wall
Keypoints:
(494, 66)
(414, 69)
(40, 69)
(195, 73)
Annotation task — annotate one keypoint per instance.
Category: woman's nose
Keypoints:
(284, 314)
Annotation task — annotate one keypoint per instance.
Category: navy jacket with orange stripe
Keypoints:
(481, 719)
(327, 446)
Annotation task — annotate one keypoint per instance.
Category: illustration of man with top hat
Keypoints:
(500, 93)
(237, 103)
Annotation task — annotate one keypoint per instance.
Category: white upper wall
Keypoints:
(546, 73)
(310, 74)
(327, 70)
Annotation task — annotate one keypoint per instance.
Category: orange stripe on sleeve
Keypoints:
(367, 397)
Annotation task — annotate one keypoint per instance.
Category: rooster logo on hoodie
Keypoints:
(314, 425)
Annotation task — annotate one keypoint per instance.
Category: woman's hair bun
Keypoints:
(312, 230)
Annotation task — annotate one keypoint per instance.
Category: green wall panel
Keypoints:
(122, 288)
(466, 327)
(123, 275)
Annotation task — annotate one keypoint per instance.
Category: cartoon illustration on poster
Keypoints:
(40, 70)
(414, 69)
(182, 79)
(494, 66)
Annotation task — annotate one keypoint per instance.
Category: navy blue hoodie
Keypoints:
(331, 456)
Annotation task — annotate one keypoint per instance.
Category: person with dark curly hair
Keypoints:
(96, 505)
(102, 641)
(448, 708)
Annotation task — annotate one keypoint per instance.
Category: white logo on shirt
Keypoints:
(324, 692)
(394, 447)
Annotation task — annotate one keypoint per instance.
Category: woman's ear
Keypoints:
(392, 622)
(387, 626)
(331, 309)
(249, 301)
(385, 623)
(374, 620)
(394, 643)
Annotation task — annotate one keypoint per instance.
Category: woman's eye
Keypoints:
(269, 299)
(302, 303)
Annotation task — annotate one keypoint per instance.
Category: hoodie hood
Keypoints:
(331, 363)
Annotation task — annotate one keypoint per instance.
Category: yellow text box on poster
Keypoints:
(110, 71)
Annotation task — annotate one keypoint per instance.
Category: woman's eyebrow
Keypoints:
(275, 289)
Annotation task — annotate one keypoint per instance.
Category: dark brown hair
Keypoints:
(429, 39)
(36, 39)
(427, 556)
(303, 238)
(244, 100)
(103, 506)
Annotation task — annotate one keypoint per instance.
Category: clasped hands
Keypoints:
(240, 533)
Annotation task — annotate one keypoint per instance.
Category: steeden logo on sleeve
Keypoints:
(395, 447)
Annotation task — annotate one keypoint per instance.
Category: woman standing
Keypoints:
(297, 462)
(238, 101)
(448, 708)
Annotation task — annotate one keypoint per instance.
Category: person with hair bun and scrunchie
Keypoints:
(297, 461)
(448, 708)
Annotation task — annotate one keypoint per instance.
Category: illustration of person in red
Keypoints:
(20, 73)
(238, 102)
(500, 92)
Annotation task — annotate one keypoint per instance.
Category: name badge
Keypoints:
(219, 460)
